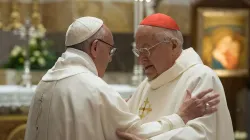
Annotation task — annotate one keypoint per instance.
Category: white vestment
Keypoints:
(73, 103)
(165, 94)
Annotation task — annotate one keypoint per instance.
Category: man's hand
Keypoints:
(127, 136)
(199, 105)
(192, 107)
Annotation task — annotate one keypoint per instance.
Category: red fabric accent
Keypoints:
(160, 20)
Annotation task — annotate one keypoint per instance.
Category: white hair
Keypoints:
(174, 35)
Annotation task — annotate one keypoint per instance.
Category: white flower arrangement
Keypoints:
(40, 56)
(17, 49)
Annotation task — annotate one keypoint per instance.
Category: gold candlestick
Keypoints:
(36, 18)
(15, 18)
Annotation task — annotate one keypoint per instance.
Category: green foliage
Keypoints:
(41, 57)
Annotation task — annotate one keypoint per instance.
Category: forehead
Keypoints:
(144, 35)
(148, 35)
(144, 32)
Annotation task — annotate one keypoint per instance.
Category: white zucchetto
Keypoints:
(82, 29)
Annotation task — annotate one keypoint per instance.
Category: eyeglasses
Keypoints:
(112, 47)
(146, 51)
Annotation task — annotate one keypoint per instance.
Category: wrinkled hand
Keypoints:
(127, 136)
(199, 105)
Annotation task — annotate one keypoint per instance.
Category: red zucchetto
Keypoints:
(160, 20)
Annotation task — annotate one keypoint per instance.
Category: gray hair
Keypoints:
(170, 34)
(85, 44)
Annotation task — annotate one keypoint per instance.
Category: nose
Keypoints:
(143, 59)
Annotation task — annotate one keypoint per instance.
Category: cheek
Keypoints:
(156, 63)
(104, 55)
(104, 60)
(158, 66)
(162, 62)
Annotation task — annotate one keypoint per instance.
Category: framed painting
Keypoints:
(223, 36)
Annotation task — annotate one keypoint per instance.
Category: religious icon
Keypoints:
(223, 42)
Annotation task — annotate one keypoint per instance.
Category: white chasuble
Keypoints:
(73, 103)
(165, 94)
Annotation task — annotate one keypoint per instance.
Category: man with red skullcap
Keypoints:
(170, 70)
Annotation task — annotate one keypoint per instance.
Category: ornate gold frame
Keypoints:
(202, 13)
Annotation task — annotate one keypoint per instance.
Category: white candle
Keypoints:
(140, 10)
(136, 16)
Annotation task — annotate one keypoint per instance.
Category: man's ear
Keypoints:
(93, 49)
(175, 48)
(175, 43)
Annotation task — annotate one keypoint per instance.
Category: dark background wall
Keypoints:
(122, 61)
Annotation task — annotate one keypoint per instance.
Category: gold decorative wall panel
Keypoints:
(118, 16)
(180, 13)
(57, 16)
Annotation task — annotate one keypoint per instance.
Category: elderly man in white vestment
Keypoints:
(170, 70)
(72, 102)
